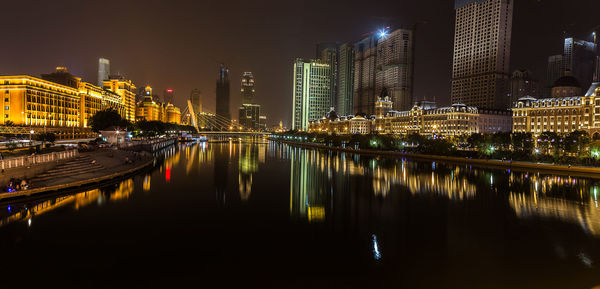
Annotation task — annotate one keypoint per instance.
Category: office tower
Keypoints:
(482, 38)
(345, 79)
(249, 112)
(169, 95)
(394, 67)
(554, 72)
(523, 84)
(328, 53)
(103, 70)
(248, 91)
(222, 101)
(580, 56)
(311, 94)
(249, 116)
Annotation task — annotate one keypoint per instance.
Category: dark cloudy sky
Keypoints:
(179, 44)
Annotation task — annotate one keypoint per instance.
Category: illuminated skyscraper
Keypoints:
(103, 70)
(248, 91)
(249, 112)
(311, 94)
(482, 39)
(222, 101)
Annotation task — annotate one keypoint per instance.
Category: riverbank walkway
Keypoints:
(581, 171)
(87, 168)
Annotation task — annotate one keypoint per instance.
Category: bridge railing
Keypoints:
(25, 161)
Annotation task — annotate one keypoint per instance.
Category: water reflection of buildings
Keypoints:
(248, 165)
(308, 185)
(15, 213)
(562, 198)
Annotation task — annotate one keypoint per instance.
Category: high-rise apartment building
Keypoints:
(555, 71)
(394, 67)
(365, 60)
(523, 84)
(311, 94)
(482, 39)
(222, 107)
(383, 60)
(345, 79)
(328, 53)
(103, 70)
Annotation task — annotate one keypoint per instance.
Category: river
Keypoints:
(269, 215)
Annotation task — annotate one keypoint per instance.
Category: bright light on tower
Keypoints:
(382, 33)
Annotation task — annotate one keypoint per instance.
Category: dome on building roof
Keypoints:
(567, 81)
(332, 115)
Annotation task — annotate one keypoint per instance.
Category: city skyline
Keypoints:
(533, 42)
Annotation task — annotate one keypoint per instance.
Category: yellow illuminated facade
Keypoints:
(126, 90)
(151, 110)
(30, 101)
(559, 115)
(425, 118)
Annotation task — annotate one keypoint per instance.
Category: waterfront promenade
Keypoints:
(593, 172)
(87, 168)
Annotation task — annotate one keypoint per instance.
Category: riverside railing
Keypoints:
(25, 161)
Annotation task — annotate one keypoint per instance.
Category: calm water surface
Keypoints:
(267, 215)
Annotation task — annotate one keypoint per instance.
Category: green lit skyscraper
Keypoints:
(312, 91)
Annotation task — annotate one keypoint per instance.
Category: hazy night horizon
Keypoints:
(179, 44)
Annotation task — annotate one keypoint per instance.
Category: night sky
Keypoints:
(179, 44)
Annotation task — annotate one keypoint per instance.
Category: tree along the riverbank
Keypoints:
(573, 148)
(109, 117)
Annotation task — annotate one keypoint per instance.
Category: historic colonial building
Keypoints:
(424, 118)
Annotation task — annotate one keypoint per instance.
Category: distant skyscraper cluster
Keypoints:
(349, 77)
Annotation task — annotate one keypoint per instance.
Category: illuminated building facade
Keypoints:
(560, 115)
(311, 94)
(424, 118)
(250, 116)
(249, 111)
(30, 101)
(126, 89)
(173, 114)
(328, 53)
(153, 110)
(482, 40)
